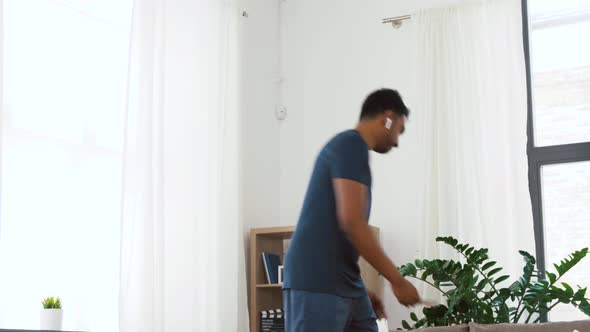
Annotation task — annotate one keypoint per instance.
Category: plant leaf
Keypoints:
(585, 307)
(408, 270)
(488, 265)
(502, 278)
(482, 284)
(419, 264)
(516, 288)
(580, 294)
(406, 325)
(568, 263)
(569, 291)
(494, 271)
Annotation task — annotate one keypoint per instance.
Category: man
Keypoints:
(323, 290)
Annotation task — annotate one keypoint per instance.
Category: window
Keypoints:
(558, 68)
(64, 81)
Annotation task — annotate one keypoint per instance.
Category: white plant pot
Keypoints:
(51, 319)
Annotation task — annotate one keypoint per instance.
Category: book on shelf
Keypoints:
(271, 267)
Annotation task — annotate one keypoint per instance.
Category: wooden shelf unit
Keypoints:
(269, 285)
(265, 296)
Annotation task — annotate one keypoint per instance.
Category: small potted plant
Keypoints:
(51, 315)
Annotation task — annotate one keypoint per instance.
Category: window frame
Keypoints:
(542, 155)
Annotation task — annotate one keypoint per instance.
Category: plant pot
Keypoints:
(51, 319)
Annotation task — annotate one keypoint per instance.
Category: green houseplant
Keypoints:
(475, 290)
(51, 314)
(51, 303)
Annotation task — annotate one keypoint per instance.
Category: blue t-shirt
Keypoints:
(320, 258)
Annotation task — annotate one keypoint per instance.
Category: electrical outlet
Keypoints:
(281, 112)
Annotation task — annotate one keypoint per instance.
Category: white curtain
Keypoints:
(471, 113)
(182, 257)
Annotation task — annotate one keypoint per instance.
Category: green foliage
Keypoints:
(51, 303)
(475, 290)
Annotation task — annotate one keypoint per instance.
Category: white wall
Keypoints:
(331, 54)
(259, 131)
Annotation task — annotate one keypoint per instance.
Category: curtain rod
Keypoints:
(397, 21)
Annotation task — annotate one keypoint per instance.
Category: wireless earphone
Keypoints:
(388, 123)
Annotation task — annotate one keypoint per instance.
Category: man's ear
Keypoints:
(392, 115)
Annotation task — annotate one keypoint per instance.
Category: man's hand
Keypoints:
(351, 200)
(377, 305)
(406, 293)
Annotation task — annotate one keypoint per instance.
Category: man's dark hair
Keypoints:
(383, 100)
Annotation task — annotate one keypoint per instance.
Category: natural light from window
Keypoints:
(64, 72)
(560, 59)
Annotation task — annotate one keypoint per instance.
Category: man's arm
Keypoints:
(351, 201)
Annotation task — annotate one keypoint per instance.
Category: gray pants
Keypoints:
(311, 312)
